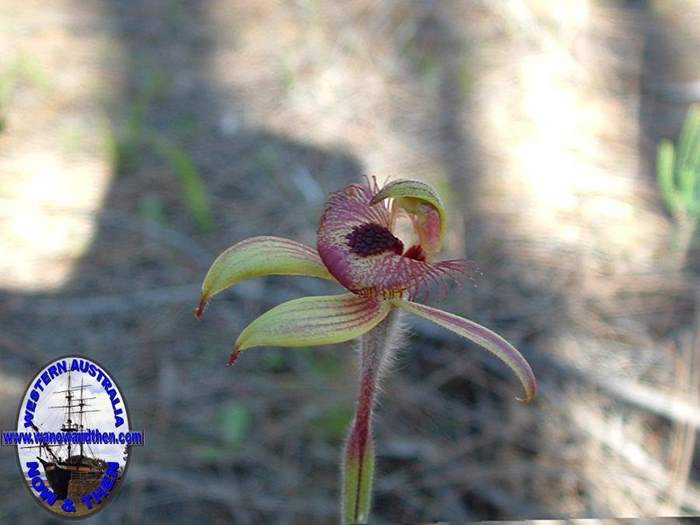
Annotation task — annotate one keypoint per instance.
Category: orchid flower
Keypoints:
(357, 247)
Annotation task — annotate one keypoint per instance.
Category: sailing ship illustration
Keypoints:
(71, 468)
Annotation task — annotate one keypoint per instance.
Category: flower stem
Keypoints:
(358, 459)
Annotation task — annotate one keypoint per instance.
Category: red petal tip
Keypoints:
(199, 311)
(234, 355)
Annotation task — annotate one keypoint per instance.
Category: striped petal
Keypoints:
(424, 207)
(493, 342)
(356, 245)
(259, 256)
(318, 320)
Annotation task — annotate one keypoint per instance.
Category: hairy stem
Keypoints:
(358, 460)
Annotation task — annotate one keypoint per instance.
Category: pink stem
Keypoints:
(361, 432)
(375, 347)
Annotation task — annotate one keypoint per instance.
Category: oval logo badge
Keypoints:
(73, 437)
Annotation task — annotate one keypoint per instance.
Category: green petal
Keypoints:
(318, 320)
(421, 201)
(481, 335)
(259, 256)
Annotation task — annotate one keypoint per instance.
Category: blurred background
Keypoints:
(140, 138)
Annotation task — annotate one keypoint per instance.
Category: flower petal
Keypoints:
(318, 320)
(481, 335)
(424, 206)
(259, 256)
(358, 248)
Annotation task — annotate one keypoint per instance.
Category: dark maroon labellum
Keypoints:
(373, 239)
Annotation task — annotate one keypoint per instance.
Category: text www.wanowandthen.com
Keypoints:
(85, 437)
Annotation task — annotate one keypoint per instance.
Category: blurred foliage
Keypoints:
(151, 207)
(332, 425)
(323, 365)
(231, 427)
(24, 69)
(678, 171)
(423, 60)
(193, 189)
(235, 423)
(128, 145)
(286, 75)
(275, 360)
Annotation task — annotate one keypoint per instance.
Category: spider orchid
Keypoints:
(357, 247)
